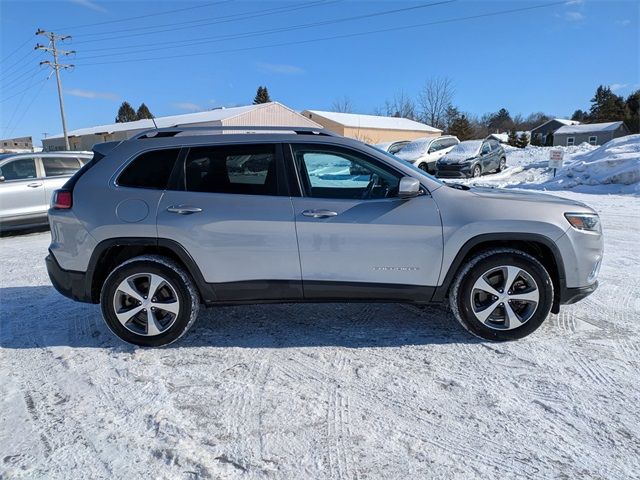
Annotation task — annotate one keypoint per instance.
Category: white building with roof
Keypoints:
(592, 133)
(372, 128)
(543, 134)
(264, 114)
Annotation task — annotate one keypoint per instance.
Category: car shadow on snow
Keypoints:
(35, 317)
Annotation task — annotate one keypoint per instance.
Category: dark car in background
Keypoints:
(472, 158)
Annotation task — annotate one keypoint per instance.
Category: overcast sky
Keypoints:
(183, 56)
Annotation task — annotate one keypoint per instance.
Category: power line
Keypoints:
(333, 37)
(26, 110)
(219, 20)
(166, 12)
(28, 40)
(21, 91)
(23, 62)
(193, 23)
(215, 39)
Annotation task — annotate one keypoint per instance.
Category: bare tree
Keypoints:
(434, 100)
(401, 105)
(342, 105)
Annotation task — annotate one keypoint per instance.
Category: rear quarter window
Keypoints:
(150, 170)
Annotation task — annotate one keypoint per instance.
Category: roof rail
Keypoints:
(219, 129)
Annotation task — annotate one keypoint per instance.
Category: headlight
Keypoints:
(589, 222)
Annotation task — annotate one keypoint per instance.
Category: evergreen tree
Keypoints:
(523, 140)
(126, 113)
(461, 128)
(606, 106)
(262, 96)
(633, 112)
(580, 116)
(513, 139)
(500, 121)
(143, 112)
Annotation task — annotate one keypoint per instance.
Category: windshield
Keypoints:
(407, 164)
(470, 147)
(415, 149)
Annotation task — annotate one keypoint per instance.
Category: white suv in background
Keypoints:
(27, 181)
(425, 152)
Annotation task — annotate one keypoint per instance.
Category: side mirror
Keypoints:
(2, 179)
(409, 187)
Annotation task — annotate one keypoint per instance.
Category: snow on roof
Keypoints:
(589, 127)
(373, 121)
(216, 115)
(564, 121)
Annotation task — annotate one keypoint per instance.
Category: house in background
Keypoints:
(592, 133)
(264, 114)
(16, 145)
(543, 134)
(372, 129)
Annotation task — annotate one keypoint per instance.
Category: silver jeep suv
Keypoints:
(155, 226)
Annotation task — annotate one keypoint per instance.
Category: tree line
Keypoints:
(434, 106)
(126, 113)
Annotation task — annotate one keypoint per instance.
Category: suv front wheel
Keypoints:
(502, 294)
(149, 301)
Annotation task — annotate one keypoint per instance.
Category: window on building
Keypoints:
(593, 140)
(239, 169)
(570, 141)
(150, 170)
(59, 166)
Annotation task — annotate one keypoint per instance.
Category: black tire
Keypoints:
(476, 171)
(502, 165)
(460, 295)
(424, 167)
(177, 283)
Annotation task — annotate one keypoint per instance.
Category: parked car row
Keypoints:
(446, 156)
(27, 181)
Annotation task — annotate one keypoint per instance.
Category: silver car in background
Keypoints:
(27, 181)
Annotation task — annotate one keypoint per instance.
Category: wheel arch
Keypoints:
(539, 246)
(110, 253)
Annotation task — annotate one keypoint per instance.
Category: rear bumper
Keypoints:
(67, 282)
(573, 295)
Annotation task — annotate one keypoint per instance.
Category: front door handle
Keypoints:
(183, 209)
(319, 213)
(34, 184)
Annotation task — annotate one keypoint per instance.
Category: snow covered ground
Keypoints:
(338, 391)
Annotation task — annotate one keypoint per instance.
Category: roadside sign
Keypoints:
(556, 157)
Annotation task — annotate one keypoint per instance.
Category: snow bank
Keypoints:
(615, 162)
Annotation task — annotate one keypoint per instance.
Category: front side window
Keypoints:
(570, 141)
(593, 140)
(239, 169)
(336, 173)
(59, 166)
(485, 149)
(21, 169)
(150, 170)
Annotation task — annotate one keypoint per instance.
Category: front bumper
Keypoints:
(453, 170)
(67, 282)
(573, 295)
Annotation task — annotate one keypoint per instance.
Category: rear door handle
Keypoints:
(183, 209)
(319, 213)
(34, 184)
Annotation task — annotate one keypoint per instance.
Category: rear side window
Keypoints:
(150, 170)
(239, 169)
(59, 166)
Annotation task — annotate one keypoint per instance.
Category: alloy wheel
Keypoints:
(504, 297)
(146, 304)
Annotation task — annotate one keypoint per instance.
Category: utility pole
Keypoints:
(52, 48)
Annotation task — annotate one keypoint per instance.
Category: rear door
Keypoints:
(229, 208)
(22, 193)
(356, 238)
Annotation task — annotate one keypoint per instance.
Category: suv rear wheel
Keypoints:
(149, 301)
(502, 294)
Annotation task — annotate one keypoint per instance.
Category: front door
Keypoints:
(230, 209)
(21, 191)
(356, 237)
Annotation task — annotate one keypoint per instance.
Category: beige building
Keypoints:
(265, 114)
(16, 145)
(372, 128)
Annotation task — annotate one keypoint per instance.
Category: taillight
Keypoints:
(62, 199)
